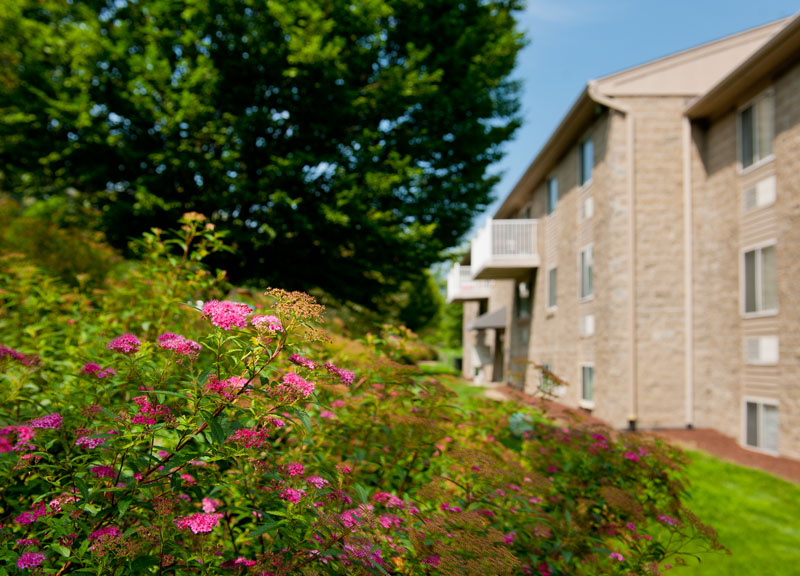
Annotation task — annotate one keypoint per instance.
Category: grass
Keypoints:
(756, 515)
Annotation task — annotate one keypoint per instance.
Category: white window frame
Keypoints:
(758, 161)
(584, 323)
(759, 312)
(762, 342)
(583, 402)
(761, 402)
(764, 193)
(590, 296)
(548, 208)
(588, 182)
(552, 307)
(587, 208)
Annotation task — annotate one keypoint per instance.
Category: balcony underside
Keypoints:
(467, 295)
(500, 268)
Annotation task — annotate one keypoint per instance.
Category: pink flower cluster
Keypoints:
(23, 442)
(50, 422)
(179, 344)
(125, 344)
(105, 532)
(293, 495)
(210, 505)
(229, 388)
(388, 500)
(295, 469)
(94, 368)
(317, 481)
(198, 523)
(102, 471)
(249, 437)
(226, 314)
(85, 439)
(298, 384)
(345, 376)
(30, 560)
(302, 361)
(267, 322)
(149, 412)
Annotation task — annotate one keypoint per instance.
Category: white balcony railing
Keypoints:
(461, 286)
(503, 247)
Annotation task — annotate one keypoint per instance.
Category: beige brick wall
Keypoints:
(722, 231)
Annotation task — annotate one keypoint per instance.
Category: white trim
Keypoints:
(688, 273)
(742, 280)
(760, 341)
(761, 401)
(755, 165)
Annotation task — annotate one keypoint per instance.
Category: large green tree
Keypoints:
(343, 144)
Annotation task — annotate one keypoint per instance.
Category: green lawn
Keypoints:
(755, 514)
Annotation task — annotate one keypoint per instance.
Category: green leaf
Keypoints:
(217, 433)
(63, 550)
(267, 526)
(122, 506)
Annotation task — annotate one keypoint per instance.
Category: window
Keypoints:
(762, 350)
(587, 325)
(552, 194)
(586, 272)
(587, 208)
(762, 427)
(587, 384)
(552, 288)
(523, 299)
(760, 195)
(549, 383)
(757, 129)
(760, 281)
(585, 162)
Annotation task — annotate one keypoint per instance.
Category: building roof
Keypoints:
(688, 73)
(781, 51)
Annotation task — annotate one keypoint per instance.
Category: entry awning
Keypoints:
(493, 319)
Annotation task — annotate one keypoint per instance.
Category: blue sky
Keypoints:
(573, 41)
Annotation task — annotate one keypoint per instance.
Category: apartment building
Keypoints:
(647, 254)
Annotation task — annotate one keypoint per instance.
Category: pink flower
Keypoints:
(327, 414)
(198, 523)
(668, 520)
(30, 560)
(345, 376)
(106, 373)
(317, 481)
(301, 386)
(617, 556)
(242, 561)
(509, 538)
(292, 495)
(301, 361)
(179, 344)
(210, 505)
(24, 435)
(226, 315)
(102, 471)
(188, 478)
(390, 521)
(90, 368)
(105, 531)
(126, 344)
(229, 388)
(389, 500)
(51, 421)
(295, 469)
(632, 456)
(86, 441)
(249, 437)
(450, 508)
(432, 560)
(269, 323)
(25, 542)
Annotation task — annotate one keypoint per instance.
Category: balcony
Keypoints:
(505, 249)
(461, 286)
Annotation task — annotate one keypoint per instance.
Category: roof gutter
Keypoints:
(600, 98)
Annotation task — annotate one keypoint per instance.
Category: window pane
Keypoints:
(771, 428)
(769, 279)
(551, 288)
(552, 195)
(765, 125)
(752, 424)
(588, 383)
(750, 281)
(586, 161)
(746, 134)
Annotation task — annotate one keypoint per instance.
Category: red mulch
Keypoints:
(704, 439)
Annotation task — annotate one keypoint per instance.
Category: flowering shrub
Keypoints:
(162, 438)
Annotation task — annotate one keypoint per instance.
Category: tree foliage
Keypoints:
(334, 140)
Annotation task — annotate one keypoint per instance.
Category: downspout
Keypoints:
(688, 279)
(595, 94)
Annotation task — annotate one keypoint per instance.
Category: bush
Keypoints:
(142, 432)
